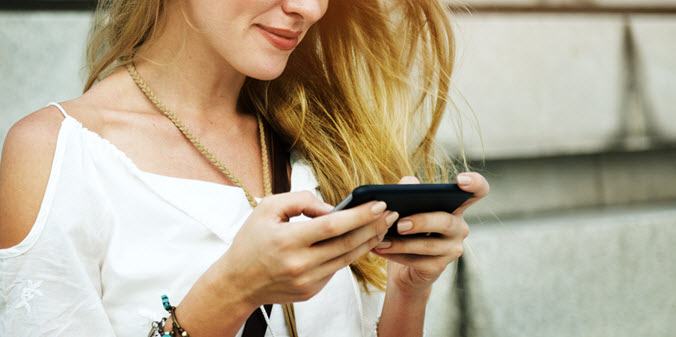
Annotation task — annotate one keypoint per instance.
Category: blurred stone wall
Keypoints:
(41, 60)
(576, 105)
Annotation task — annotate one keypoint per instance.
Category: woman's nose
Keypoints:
(309, 10)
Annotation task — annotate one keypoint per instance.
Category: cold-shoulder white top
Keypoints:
(96, 260)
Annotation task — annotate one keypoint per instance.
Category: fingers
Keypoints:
(409, 180)
(313, 267)
(421, 246)
(428, 265)
(288, 205)
(339, 223)
(471, 182)
(307, 284)
(434, 222)
(453, 230)
(342, 261)
(339, 246)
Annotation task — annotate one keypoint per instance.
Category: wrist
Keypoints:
(410, 293)
(230, 289)
(216, 305)
(403, 312)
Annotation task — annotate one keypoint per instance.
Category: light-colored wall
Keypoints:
(558, 84)
(539, 85)
(41, 57)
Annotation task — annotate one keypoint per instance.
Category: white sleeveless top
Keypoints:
(110, 239)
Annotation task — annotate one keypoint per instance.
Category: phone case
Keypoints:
(408, 199)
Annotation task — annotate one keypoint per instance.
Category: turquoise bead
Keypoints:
(165, 302)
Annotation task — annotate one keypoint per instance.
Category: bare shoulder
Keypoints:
(24, 171)
(28, 152)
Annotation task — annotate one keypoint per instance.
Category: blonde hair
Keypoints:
(362, 96)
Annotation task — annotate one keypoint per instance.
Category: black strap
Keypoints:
(279, 160)
(255, 325)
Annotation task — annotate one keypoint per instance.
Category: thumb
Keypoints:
(476, 184)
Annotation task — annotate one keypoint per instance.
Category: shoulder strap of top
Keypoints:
(63, 111)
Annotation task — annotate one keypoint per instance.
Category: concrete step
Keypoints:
(521, 187)
(601, 272)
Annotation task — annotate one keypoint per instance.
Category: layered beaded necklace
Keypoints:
(289, 313)
(205, 152)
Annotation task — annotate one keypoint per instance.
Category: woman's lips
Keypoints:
(280, 38)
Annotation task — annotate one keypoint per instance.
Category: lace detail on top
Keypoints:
(29, 291)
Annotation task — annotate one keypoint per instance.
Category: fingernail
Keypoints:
(464, 180)
(384, 244)
(391, 218)
(381, 236)
(404, 226)
(379, 208)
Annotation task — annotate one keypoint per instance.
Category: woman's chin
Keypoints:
(267, 70)
(266, 77)
(266, 74)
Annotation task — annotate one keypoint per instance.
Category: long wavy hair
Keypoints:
(362, 96)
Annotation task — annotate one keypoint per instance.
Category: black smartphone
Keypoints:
(408, 199)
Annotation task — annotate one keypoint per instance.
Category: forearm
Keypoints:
(199, 317)
(403, 313)
(212, 309)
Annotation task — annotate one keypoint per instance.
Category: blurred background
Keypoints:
(575, 103)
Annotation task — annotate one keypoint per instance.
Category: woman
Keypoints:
(106, 204)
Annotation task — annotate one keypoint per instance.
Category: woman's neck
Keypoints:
(188, 75)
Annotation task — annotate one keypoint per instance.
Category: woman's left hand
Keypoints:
(414, 263)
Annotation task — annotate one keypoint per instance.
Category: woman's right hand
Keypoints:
(272, 260)
(277, 261)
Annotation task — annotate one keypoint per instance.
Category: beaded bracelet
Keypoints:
(157, 329)
(176, 327)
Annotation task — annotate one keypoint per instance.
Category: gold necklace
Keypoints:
(210, 156)
(289, 312)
